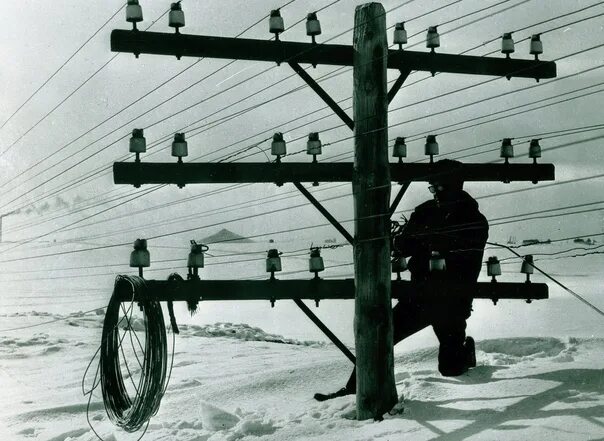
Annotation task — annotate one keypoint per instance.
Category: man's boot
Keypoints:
(340, 393)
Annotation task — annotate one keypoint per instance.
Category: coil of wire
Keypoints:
(132, 413)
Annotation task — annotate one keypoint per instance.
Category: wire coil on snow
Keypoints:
(125, 412)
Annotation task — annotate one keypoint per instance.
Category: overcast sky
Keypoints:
(38, 36)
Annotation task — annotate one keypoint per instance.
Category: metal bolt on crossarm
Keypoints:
(536, 47)
(316, 265)
(431, 147)
(527, 267)
(314, 148)
(400, 35)
(507, 44)
(400, 149)
(180, 149)
(399, 264)
(506, 152)
(273, 265)
(432, 42)
(275, 23)
(534, 152)
(493, 268)
(138, 143)
(134, 13)
(176, 18)
(313, 26)
(437, 262)
(140, 257)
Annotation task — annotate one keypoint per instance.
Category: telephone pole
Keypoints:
(370, 174)
(376, 389)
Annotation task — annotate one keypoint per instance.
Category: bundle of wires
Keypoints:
(125, 412)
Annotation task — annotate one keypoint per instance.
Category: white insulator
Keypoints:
(507, 44)
(400, 34)
(313, 25)
(176, 18)
(275, 24)
(134, 12)
(140, 257)
(507, 149)
(527, 265)
(534, 149)
(536, 45)
(431, 147)
(273, 261)
(313, 145)
(196, 256)
(278, 147)
(179, 146)
(315, 263)
(400, 148)
(437, 262)
(138, 143)
(399, 264)
(432, 38)
(493, 267)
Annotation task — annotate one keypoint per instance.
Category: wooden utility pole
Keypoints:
(376, 390)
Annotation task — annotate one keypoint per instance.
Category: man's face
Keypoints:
(436, 188)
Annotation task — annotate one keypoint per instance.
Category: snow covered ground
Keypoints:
(540, 374)
(233, 382)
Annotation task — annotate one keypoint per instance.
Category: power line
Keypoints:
(196, 228)
(560, 284)
(71, 94)
(327, 76)
(87, 158)
(263, 72)
(28, 99)
(462, 106)
(133, 119)
(144, 96)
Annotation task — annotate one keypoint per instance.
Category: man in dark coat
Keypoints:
(450, 227)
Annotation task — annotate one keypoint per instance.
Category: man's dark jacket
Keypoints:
(455, 228)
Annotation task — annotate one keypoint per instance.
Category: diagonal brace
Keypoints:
(324, 95)
(324, 212)
(335, 340)
(398, 197)
(398, 84)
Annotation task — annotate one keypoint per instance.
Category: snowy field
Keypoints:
(539, 376)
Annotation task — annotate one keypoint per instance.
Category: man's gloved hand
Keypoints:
(396, 230)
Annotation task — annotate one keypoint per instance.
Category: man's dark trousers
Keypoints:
(448, 319)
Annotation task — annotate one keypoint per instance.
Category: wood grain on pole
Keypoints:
(376, 389)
